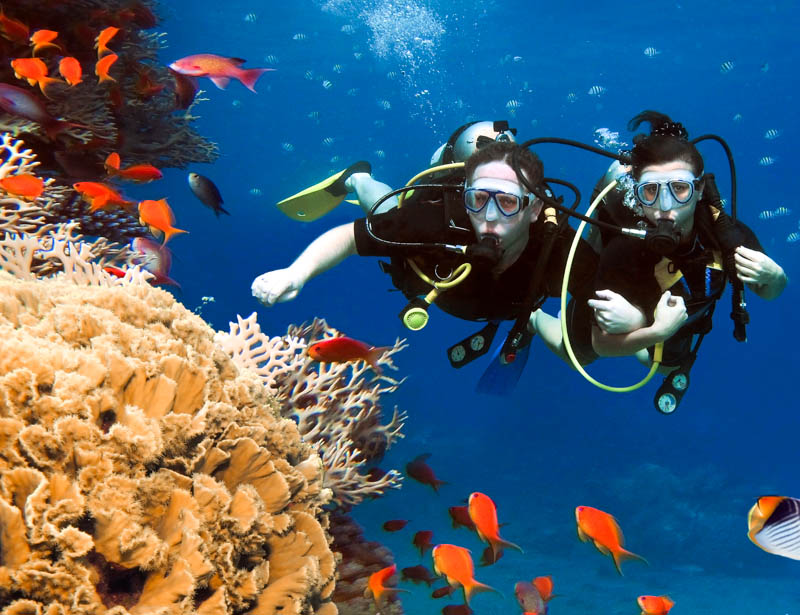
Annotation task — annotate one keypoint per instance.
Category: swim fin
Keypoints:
(501, 378)
(317, 200)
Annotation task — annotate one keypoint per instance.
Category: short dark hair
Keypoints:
(503, 151)
(668, 141)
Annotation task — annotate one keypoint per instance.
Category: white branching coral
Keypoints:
(336, 405)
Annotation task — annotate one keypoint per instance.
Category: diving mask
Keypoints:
(666, 191)
(503, 193)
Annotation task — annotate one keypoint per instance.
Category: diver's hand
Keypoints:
(615, 314)
(759, 270)
(670, 315)
(277, 286)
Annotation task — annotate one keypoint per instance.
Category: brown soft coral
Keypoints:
(141, 472)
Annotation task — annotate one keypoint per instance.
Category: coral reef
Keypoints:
(335, 406)
(140, 471)
(75, 127)
(360, 558)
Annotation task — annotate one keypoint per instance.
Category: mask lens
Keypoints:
(475, 200)
(681, 190)
(647, 193)
(508, 203)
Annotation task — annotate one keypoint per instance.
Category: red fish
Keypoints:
(443, 591)
(185, 90)
(12, 29)
(602, 529)
(103, 66)
(25, 186)
(100, 196)
(455, 563)
(460, 517)
(146, 85)
(483, 513)
(159, 217)
(344, 349)
(417, 574)
(137, 172)
(489, 557)
(43, 39)
(70, 69)
(422, 541)
(395, 525)
(420, 471)
(34, 71)
(376, 585)
(655, 605)
(22, 103)
(102, 40)
(219, 69)
(115, 271)
(529, 599)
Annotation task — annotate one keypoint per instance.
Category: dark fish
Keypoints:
(205, 190)
(460, 517)
(443, 591)
(457, 609)
(423, 540)
(418, 574)
(774, 525)
(489, 556)
(185, 90)
(395, 525)
(422, 472)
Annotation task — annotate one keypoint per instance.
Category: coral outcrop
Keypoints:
(140, 471)
(336, 405)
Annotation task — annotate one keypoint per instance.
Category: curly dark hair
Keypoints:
(667, 141)
(503, 151)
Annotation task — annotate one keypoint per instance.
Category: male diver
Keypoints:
(471, 247)
(664, 290)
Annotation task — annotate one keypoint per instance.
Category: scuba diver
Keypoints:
(476, 244)
(664, 289)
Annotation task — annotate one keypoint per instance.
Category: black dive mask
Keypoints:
(664, 238)
(486, 253)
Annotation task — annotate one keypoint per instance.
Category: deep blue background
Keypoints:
(681, 485)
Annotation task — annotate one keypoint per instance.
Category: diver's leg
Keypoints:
(369, 190)
(549, 329)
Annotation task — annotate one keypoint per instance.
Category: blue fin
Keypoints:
(499, 378)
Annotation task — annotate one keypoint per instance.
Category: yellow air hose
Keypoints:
(657, 354)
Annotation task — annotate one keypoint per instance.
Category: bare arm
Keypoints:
(670, 315)
(325, 252)
(761, 274)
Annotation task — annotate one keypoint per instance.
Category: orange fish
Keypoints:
(483, 513)
(376, 585)
(70, 69)
(602, 529)
(25, 186)
(103, 66)
(158, 216)
(545, 587)
(34, 71)
(455, 564)
(102, 40)
(43, 39)
(343, 349)
(219, 69)
(137, 172)
(13, 29)
(655, 605)
(100, 196)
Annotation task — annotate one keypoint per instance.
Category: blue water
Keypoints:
(679, 485)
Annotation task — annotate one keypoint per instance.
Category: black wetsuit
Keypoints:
(694, 273)
(482, 296)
